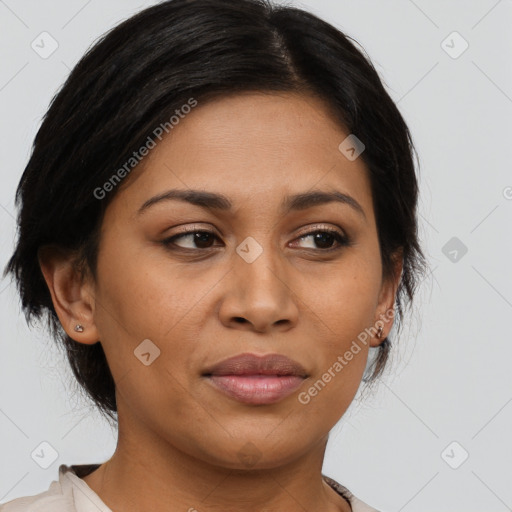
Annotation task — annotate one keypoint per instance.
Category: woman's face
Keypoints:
(258, 282)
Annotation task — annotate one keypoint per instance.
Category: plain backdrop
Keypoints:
(435, 434)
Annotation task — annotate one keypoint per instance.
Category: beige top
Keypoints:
(71, 494)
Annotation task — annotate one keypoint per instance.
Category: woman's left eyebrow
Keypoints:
(215, 201)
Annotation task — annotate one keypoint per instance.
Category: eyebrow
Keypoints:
(214, 201)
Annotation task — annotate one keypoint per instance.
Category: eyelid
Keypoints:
(321, 227)
(193, 228)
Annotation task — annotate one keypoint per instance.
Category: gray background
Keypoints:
(450, 379)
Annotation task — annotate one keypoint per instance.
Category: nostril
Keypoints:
(239, 319)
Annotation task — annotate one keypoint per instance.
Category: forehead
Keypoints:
(253, 146)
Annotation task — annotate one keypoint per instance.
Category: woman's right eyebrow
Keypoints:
(216, 201)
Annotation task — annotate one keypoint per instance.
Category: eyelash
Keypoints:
(343, 240)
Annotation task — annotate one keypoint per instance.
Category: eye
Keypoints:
(320, 239)
(196, 239)
(324, 239)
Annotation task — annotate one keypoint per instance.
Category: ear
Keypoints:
(72, 295)
(385, 312)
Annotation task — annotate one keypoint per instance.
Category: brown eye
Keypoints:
(324, 239)
(195, 240)
(320, 240)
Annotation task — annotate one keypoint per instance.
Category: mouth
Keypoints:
(256, 380)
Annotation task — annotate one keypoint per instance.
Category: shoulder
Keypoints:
(68, 494)
(356, 504)
(54, 499)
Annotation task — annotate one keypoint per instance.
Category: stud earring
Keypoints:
(79, 328)
(379, 332)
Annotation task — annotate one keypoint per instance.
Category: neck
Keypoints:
(147, 473)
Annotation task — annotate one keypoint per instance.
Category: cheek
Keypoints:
(139, 300)
(351, 309)
(142, 296)
(348, 308)
(349, 296)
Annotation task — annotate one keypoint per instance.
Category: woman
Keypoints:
(219, 219)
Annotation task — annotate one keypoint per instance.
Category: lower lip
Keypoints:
(256, 389)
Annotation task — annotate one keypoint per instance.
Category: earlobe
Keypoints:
(386, 307)
(71, 296)
(380, 330)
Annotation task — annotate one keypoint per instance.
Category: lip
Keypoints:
(253, 379)
(253, 364)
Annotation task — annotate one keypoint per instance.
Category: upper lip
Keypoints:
(252, 364)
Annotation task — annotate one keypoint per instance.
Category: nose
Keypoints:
(259, 295)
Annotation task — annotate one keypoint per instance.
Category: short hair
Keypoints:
(136, 76)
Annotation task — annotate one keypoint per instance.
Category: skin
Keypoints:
(180, 440)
